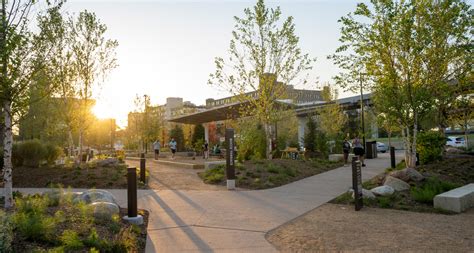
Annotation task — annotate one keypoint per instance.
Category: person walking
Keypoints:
(156, 147)
(205, 150)
(173, 146)
(359, 150)
(346, 148)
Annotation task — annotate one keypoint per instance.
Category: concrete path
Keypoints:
(236, 221)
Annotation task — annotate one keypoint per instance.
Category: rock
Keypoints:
(92, 196)
(108, 162)
(454, 150)
(365, 194)
(407, 175)
(396, 184)
(104, 210)
(383, 190)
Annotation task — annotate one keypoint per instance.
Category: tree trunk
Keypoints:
(71, 144)
(268, 137)
(7, 156)
(80, 146)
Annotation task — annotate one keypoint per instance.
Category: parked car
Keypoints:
(381, 147)
(454, 141)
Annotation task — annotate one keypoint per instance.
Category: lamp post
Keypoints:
(362, 111)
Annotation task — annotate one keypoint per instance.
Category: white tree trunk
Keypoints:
(7, 156)
(71, 143)
(268, 137)
(80, 146)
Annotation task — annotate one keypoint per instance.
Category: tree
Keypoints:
(93, 59)
(20, 60)
(332, 118)
(262, 50)
(177, 133)
(309, 138)
(397, 51)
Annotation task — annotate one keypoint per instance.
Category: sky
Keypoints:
(167, 48)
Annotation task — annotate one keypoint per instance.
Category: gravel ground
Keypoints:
(339, 228)
(174, 178)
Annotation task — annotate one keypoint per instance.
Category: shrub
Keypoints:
(6, 232)
(214, 175)
(430, 146)
(52, 153)
(31, 220)
(32, 152)
(431, 188)
(251, 141)
(71, 240)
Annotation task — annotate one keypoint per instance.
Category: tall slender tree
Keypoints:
(408, 52)
(20, 60)
(94, 57)
(263, 49)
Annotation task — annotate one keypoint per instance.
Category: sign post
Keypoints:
(357, 183)
(230, 159)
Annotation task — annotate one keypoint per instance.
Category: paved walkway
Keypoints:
(235, 221)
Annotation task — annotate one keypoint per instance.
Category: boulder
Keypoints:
(383, 190)
(92, 196)
(104, 210)
(108, 162)
(365, 194)
(407, 175)
(396, 184)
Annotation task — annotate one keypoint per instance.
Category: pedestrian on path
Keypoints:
(156, 147)
(173, 146)
(205, 150)
(359, 150)
(346, 148)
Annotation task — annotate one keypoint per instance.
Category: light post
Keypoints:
(362, 112)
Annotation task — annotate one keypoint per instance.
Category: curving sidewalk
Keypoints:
(235, 221)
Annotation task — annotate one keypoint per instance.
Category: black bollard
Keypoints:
(142, 168)
(357, 183)
(392, 157)
(417, 159)
(132, 192)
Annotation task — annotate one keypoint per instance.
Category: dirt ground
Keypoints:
(339, 228)
(174, 178)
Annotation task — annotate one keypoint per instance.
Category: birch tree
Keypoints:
(395, 49)
(20, 60)
(94, 57)
(263, 50)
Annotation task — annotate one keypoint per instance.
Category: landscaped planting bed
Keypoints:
(263, 174)
(84, 176)
(42, 224)
(439, 177)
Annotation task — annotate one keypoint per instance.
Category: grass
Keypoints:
(263, 174)
(432, 187)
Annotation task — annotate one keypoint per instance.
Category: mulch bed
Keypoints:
(264, 174)
(459, 171)
(99, 177)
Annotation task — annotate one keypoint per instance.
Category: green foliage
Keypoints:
(198, 135)
(177, 133)
(310, 135)
(52, 153)
(6, 232)
(70, 240)
(251, 141)
(431, 188)
(33, 152)
(31, 219)
(430, 146)
(214, 176)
